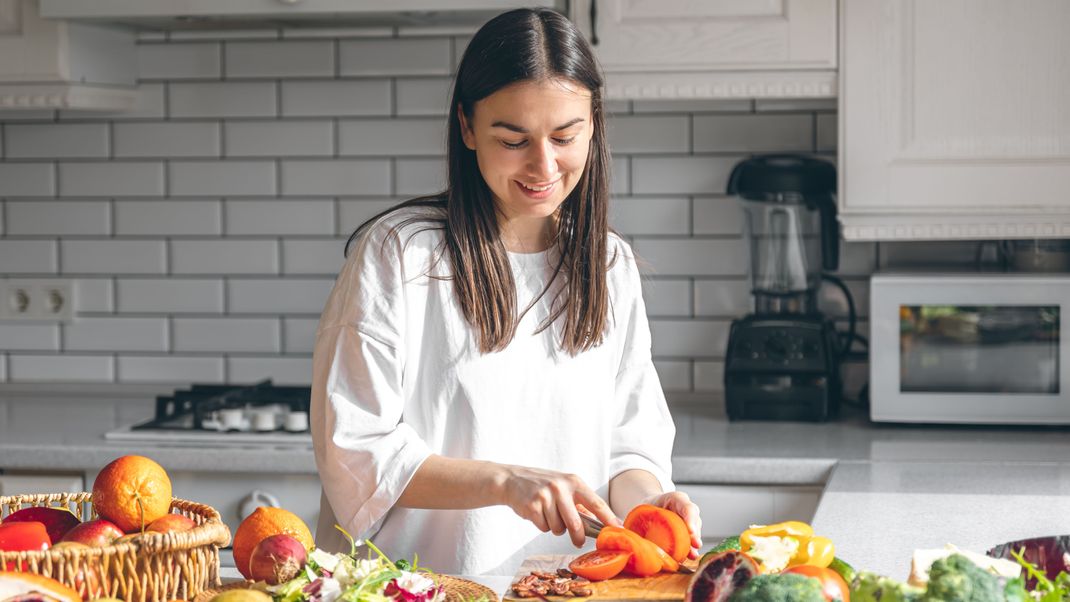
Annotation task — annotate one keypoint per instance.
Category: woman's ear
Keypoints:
(467, 134)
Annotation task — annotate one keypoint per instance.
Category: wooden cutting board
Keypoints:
(663, 586)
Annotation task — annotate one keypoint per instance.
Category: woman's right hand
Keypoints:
(548, 499)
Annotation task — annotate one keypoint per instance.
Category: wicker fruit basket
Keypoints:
(151, 567)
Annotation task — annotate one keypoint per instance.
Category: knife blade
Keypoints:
(592, 527)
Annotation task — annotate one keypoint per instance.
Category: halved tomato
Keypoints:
(668, 563)
(643, 560)
(663, 527)
(599, 565)
(832, 585)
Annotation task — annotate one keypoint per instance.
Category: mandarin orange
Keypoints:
(132, 492)
(261, 524)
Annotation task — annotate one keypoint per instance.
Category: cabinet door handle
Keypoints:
(594, 22)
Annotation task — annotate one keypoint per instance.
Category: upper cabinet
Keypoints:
(194, 14)
(56, 65)
(713, 48)
(954, 119)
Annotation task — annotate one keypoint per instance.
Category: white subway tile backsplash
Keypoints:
(58, 218)
(395, 57)
(179, 61)
(681, 175)
(224, 256)
(314, 257)
(833, 303)
(649, 133)
(230, 335)
(29, 337)
(667, 297)
(167, 139)
(709, 375)
(693, 106)
(722, 298)
(424, 96)
(336, 177)
(827, 132)
(392, 137)
(28, 256)
(299, 334)
(650, 215)
(857, 258)
(717, 215)
(420, 176)
(222, 99)
(179, 35)
(697, 257)
(689, 338)
(281, 370)
(304, 216)
(279, 138)
(150, 104)
(114, 178)
(170, 369)
(168, 218)
(56, 140)
(337, 32)
(23, 115)
(222, 178)
(94, 294)
(113, 256)
(279, 59)
(460, 45)
(757, 133)
(335, 98)
(674, 375)
(292, 295)
(115, 334)
(27, 179)
(621, 175)
(353, 213)
(768, 105)
(60, 368)
(169, 295)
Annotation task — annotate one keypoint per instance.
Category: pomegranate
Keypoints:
(719, 575)
(277, 559)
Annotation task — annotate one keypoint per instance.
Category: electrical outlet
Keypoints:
(37, 299)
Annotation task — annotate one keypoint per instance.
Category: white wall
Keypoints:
(204, 230)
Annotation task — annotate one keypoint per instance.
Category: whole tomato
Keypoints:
(832, 585)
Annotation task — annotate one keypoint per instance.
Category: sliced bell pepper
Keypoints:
(789, 544)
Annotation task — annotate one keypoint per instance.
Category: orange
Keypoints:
(261, 524)
(132, 492)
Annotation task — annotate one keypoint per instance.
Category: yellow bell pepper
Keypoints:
(785, 545)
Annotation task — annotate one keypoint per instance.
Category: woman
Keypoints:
(482, 367)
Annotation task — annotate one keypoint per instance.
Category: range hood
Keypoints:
(59, 65)
(272, 14)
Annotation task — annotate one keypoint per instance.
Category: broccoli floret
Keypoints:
(957, 579)
(779, 588)
(1014, 591)
(870, 587)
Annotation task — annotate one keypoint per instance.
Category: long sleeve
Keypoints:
(644, 431)
(366, 455)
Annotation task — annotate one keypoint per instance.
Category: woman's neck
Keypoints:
(526, 234)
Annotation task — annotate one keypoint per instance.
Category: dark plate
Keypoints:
(1051, 554)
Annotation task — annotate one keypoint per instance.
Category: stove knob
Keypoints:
(775, 349)
(256, 499)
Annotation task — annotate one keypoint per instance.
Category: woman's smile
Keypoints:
(537, 191)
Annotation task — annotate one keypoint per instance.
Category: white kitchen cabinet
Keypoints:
(953, 119)
(713, 48)
(730, 509)
(53, 64)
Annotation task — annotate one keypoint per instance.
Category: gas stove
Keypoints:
(226, 415)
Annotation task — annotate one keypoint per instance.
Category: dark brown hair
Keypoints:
(523, 45)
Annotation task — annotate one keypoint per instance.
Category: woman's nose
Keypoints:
(543, 160)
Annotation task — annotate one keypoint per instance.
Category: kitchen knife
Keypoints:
(592, 527)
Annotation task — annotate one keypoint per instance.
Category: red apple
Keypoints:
(57, 521)
(95, 533)
(170, 523)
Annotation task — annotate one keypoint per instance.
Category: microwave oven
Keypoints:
(970, 348)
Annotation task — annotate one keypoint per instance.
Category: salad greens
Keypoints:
(1046, 590)
(348, 578)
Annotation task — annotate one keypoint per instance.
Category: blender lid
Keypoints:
(782, 176)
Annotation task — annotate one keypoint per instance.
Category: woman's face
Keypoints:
(531, 141)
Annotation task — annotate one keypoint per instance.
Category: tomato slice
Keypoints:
(833, 586)
(663, 527)
(668, 563)
(599, 565)
(643, 560)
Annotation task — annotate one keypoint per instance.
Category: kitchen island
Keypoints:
(888, 489)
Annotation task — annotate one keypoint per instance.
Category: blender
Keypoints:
(782, 361)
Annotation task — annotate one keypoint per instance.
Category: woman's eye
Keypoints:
(565, 140)
(508, 144)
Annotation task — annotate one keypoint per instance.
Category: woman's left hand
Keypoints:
(680, 503)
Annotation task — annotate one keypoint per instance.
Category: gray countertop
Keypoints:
(888, 488)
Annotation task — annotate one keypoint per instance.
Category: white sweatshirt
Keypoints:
(397, 375)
